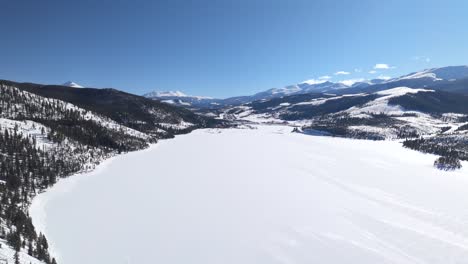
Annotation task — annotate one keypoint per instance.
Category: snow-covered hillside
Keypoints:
(437, 74)
(260, 196)
(381, 104)
(8, 254)
(72, 84)
(378, 115)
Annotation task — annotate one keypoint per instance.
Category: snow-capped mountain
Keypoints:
(451, 78)
(166, 94)
(320, 87)
(72, 84)
(449, 73)
(435, 78)
(181, 99)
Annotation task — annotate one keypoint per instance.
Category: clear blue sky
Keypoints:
(224, 48)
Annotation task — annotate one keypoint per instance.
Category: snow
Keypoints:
(388, 132)
(181, 125)
(316, 101)
(313, 82)
(285, 90)
(259, 196)
(72, 84)
(36, 100)
(350, 82)
(400, 91)
(260, 118)
(169, 94)
(7, 253)
(319, 101)
(380, 105)
(427, 124)
(174, 94)
(28, 129)
(422, 74)
(168, 101)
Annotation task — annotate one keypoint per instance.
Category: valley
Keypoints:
(50, 132)
(260, 195)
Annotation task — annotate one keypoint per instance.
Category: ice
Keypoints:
(262, 195)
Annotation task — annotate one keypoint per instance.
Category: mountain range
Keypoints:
(451, 78)
(431, 105)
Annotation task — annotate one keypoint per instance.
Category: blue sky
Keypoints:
(225, 48)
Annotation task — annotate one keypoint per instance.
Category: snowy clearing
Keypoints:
(381, 105)
(259, 196)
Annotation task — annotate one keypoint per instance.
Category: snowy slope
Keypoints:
(28, 129)
(437, 74)
(72, 84)
(33, 100)
(173, 94)
(381, 105)
(269, 196)
(7, 253)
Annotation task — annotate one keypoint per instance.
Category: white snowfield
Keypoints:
(381, 105)
(28, 129)
(8, 254)
(260, 196)
(174, 94)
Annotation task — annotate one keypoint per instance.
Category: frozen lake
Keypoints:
(259, 196)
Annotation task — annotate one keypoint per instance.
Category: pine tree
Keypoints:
(17, 258)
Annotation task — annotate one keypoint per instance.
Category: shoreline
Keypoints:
(36, 209)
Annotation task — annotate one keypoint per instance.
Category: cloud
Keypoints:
(384, 77)
(357, 70)
(372, 72)
(342, 73)
(421, 58)
(320, 80)
(382, 66)
(351, 81)
(314, 81)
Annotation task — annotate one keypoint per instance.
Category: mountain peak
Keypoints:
(72, 84)
(173, 94)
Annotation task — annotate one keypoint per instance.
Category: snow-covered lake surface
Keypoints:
(259, 196)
